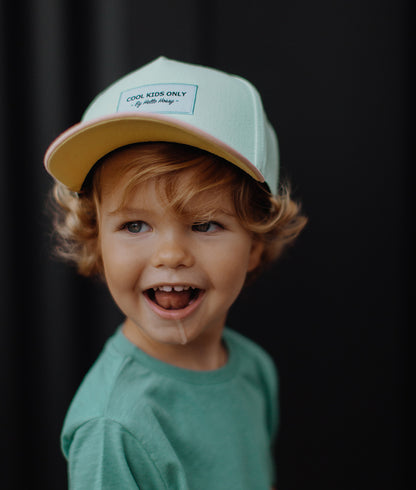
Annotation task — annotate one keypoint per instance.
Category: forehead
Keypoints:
(181, 191)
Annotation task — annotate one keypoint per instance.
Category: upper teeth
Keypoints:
(168, 289)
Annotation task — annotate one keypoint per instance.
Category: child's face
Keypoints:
(174, 280)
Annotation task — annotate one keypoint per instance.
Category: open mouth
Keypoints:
(173, 297)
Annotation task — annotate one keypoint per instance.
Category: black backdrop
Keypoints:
(335, 79)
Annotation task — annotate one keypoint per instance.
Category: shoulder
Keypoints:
(256, 364)
(250, 350)
(258, 371)
(108, 391)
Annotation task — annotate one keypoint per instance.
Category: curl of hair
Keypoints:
(275, 221)
(76, 230)
(277, 228)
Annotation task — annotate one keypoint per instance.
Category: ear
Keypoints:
(256, 251)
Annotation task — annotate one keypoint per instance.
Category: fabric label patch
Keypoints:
(162, 98)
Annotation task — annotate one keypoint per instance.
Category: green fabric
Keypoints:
(137, 422)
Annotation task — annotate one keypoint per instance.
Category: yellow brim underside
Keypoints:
(72, 159)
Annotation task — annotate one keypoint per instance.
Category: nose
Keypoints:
(172, 251)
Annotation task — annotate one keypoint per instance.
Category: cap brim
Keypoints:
(72, 155)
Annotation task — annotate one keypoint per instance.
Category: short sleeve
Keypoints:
(103, 455)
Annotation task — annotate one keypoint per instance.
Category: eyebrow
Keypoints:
(196, 213)
(126, 210)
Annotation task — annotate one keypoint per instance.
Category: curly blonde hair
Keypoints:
(274, 220)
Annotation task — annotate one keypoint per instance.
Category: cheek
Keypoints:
(120, 265)
(231, 268)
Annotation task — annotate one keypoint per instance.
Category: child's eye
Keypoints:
(136, 227)
(206, 227)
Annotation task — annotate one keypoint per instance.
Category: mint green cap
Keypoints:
(177, 102)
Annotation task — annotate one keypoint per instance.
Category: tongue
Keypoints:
(174, 300)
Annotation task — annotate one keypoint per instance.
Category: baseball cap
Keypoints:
(171, 101)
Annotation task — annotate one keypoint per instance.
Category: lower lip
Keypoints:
(176, 314)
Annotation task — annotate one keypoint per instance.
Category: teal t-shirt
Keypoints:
(136, 422)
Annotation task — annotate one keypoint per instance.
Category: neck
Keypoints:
(205, 353)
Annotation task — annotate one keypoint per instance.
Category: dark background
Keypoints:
(336, 82)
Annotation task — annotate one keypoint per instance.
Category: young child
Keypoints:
(167, 189)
